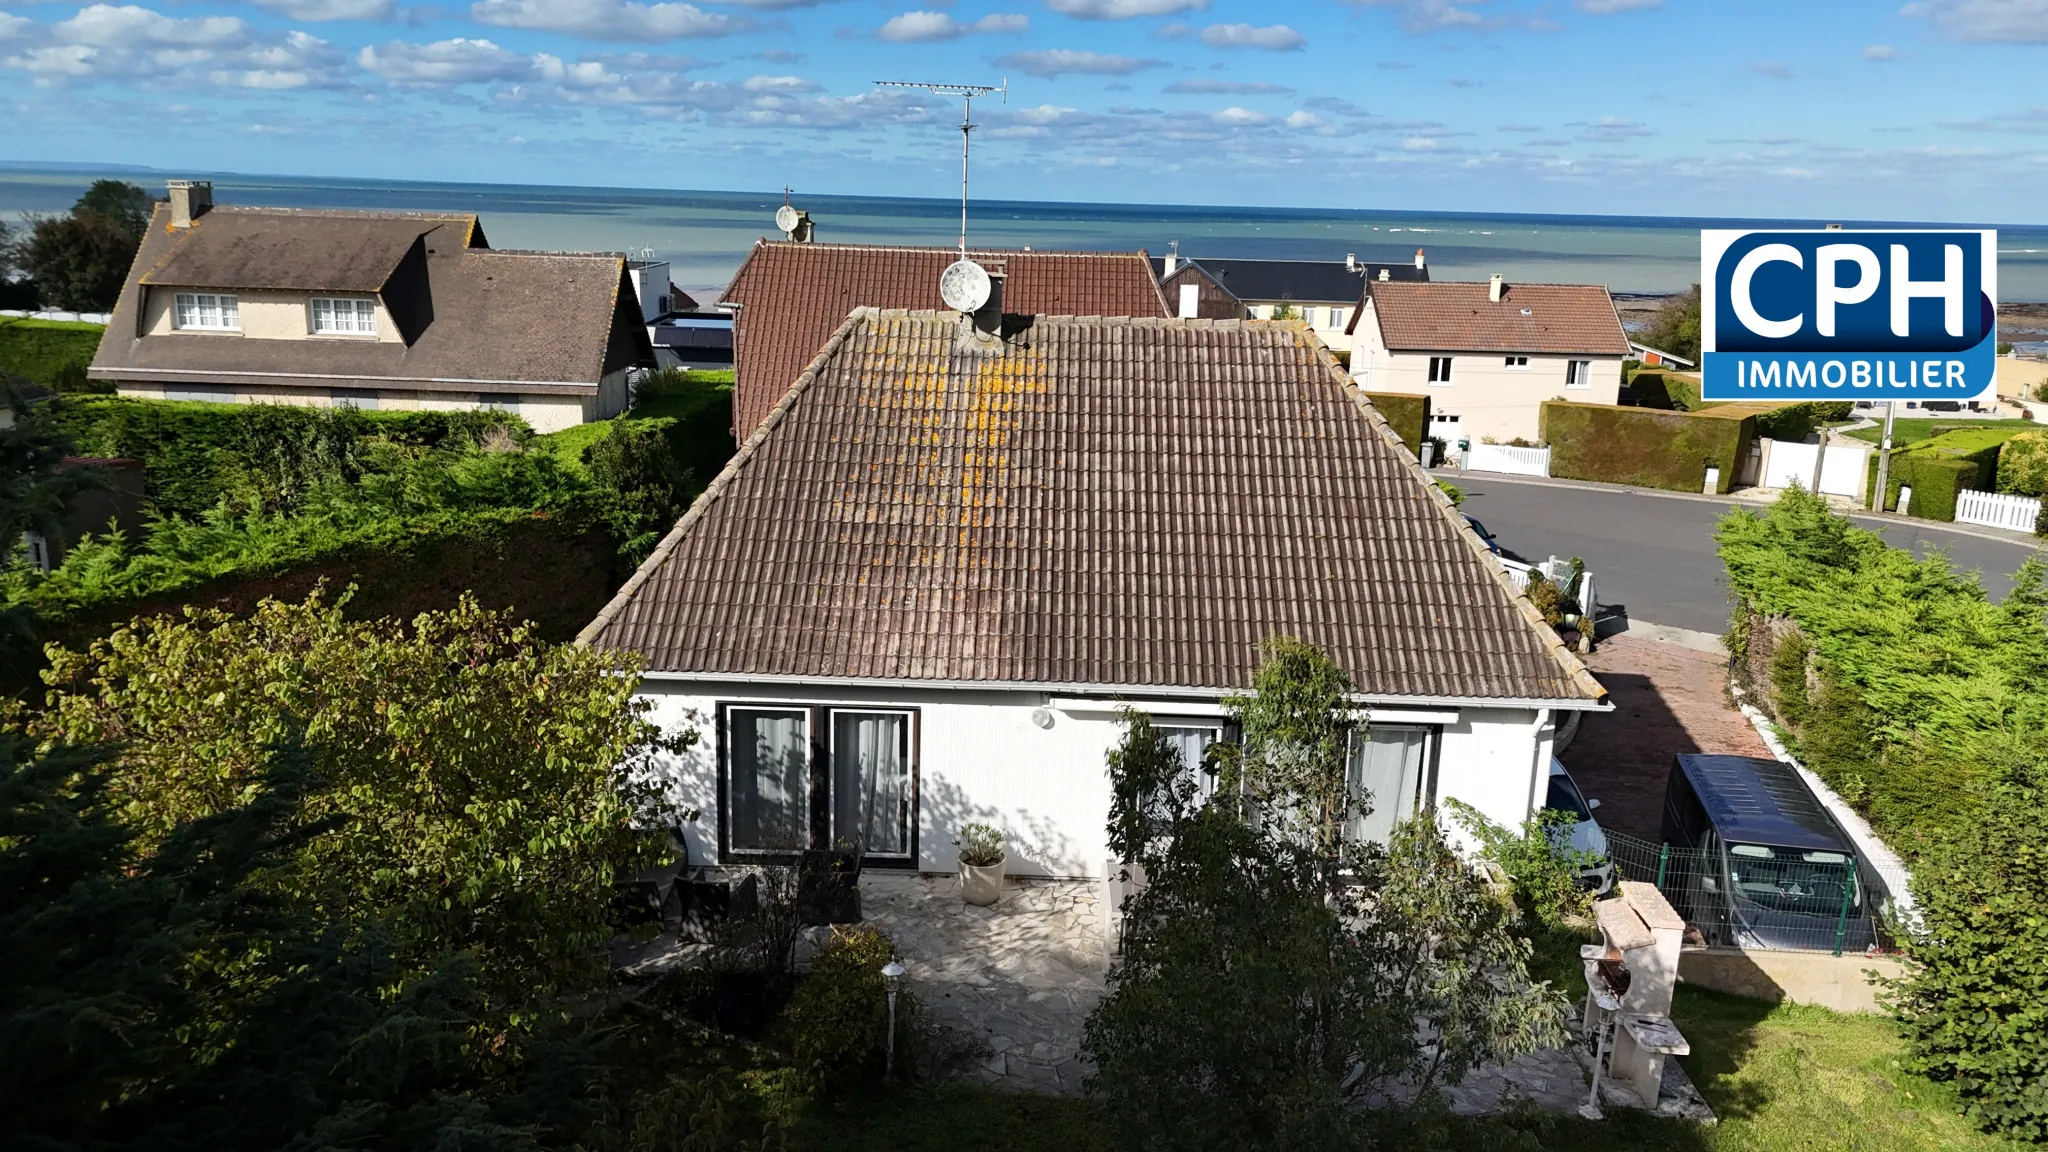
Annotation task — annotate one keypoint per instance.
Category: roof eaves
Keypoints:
(723, 481)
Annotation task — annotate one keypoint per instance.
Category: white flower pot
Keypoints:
(982, 883)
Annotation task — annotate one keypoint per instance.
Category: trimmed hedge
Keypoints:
(1645, 446)
(2023, 464)
(1937, 469)
(1666, 390)
(52, 353)
(1408, 413)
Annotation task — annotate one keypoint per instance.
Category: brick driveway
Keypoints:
(1667, 699)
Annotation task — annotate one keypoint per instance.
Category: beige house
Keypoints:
(1488, 355)
(390, 310)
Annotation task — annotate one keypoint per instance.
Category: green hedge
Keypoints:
(2023, 464)
(1937, 469)
(1665, 390)
(1645, 446)
(52, 353)
(1409, 415)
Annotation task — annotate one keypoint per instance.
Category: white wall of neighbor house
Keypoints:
(1491, 396)
(981, 757)
(542, 413)
(1327, 319)
(264, 315)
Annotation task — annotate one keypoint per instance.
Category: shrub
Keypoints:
(1548, 599)
(1959, 460)
(640, 485)
(1539, 859)
(1644, 446)
(1796, 422)
(1409, 416)
(836, 1025)
(2023, 464)
(48, 352)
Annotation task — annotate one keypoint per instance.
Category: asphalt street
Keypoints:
(1653, 556)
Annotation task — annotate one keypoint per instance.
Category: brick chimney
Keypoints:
(190, 200)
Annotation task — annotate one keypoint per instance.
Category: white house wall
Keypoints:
(1488, 397)
(982, 759)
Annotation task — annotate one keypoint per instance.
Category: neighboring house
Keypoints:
(1323, 294)
(920, 592)
(112, 502)
(683, 335)
(1657, 358)
(1488, 355)
(372, 309)
(789, 297)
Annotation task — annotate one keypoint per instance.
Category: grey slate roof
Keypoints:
(295, 251)
(1308, 281)
(1093, 502)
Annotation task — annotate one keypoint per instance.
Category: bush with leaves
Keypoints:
(1539, 858)
(836, 1024)
(1276, 972)
(640, 486)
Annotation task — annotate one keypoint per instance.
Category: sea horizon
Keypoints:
(705, 233)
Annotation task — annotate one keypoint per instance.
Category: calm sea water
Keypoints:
(706, 234)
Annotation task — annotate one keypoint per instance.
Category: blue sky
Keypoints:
(1932, 110)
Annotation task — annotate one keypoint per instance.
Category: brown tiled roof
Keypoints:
(1094, 502)
(496, 320)
(1445, 316)
(233, 247)
(792, 296)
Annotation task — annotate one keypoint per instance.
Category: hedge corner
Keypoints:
(1408, 413)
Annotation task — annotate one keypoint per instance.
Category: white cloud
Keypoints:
(1418, 144)
(1124, 9)
(314, 11)
(1225, 88)
(608, 19)
(139, 45)
(783, 84)
(1775, 69)
(936, 27)
(1301, 119)
(105, 26)
(14, 27)
(1612, 129)
(1880, 53)
(1605, 7)
(1240, 116)
(447, 62)
(1275, 38)
(1431, 15)
(2007, 21)
(1062, 61)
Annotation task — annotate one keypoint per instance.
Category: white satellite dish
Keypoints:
(964, 286)
(786, 218)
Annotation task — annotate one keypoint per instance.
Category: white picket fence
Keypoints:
(1991, 510)
(1505, 458)
(85, 317)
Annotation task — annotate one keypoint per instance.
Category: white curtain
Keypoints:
(770, 793)
(1191, 743)
(871, 774)
(1387, 766)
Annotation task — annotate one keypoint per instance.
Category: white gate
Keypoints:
(1989, 509)
(1502, 458)
(1842, 471)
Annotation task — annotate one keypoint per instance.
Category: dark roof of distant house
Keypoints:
(1755, 801)
(1309, 281)
(793, 296)
(1446, 316)
(296, 250)
(501, 320)
(1090, 502)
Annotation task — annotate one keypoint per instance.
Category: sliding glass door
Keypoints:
(769, 784)
(802, 778)
(1389, 770)
(871, 782)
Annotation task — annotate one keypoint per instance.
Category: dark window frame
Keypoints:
(818, 734)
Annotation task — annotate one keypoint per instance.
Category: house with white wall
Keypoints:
(920, 592)
(1488, 355)
(1322, 294)
(391, 310)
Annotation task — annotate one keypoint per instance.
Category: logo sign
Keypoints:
(1840, 315)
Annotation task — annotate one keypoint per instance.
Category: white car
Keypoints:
(1585, 837)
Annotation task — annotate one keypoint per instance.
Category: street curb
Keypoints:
(1664, 634)
(1462, 477)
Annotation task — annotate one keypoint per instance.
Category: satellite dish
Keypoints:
(786, 218)
(964, 286)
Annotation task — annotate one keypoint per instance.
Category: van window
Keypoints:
(1564, 797)
(1788, 880)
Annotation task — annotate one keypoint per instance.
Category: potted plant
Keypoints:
(981, 863)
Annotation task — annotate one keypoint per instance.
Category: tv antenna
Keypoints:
(967, 93)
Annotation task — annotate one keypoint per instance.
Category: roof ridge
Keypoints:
(723, 481)
(1124, 253)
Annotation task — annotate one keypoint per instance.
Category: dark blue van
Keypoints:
(1757, 862)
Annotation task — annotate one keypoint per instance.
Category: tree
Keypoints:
(1676, 326)
(641, 485)
(126, 204)
(79, 262)
(32, 489)
(482, 785)
(1276, 973)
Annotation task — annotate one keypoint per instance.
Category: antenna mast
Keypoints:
(967, 93)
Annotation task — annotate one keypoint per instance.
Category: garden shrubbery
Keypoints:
(1919, 700)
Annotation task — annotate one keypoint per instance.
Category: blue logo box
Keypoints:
(1840, 315)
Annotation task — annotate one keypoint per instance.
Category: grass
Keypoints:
(1782, 1078)
(1912, 431)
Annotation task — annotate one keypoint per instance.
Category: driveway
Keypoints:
(1653, 556)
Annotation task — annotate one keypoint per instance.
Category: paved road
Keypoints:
(1654, 556)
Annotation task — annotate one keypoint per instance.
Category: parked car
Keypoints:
(1584, 837)
(1763, 864)
(1484, 535)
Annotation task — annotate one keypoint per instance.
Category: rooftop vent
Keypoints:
(190, 200)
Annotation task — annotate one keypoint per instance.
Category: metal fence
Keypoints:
(1743, 896)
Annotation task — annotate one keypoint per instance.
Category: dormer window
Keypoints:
(206, 312)
(344, 317)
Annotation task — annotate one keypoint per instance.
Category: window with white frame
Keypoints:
(206, 312)
(1390, 771)
(1578, 374)
(1440, 370)
(1518, 362)
(344, 317)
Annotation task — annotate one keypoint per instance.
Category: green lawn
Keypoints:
(1782, 1079)
(1912, 431)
